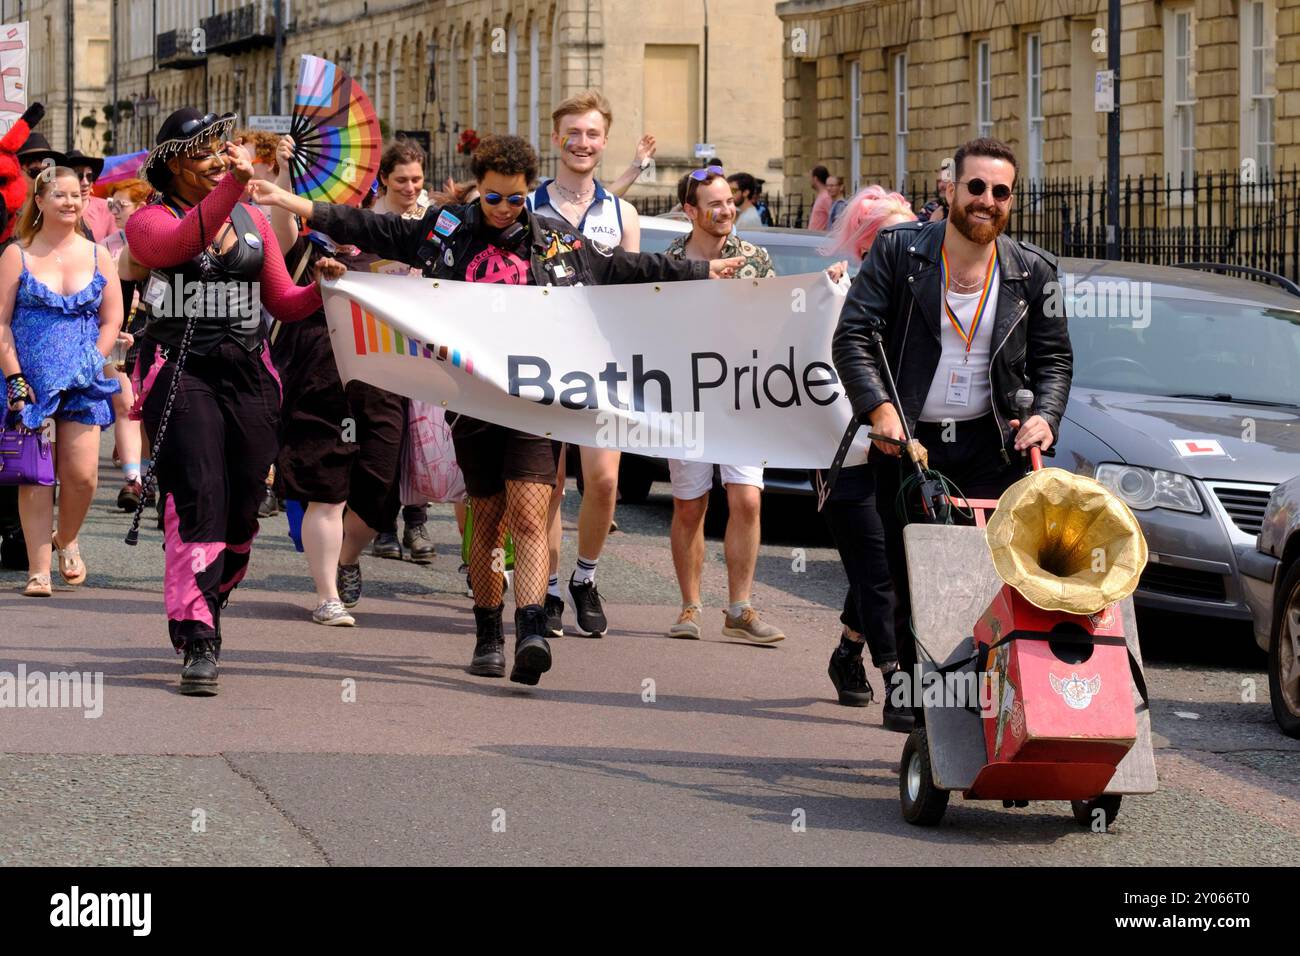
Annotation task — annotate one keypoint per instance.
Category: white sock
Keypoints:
(584, 572)
(553, 586)
(738, 608)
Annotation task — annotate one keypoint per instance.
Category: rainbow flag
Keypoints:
(118, 169)
(371, 336)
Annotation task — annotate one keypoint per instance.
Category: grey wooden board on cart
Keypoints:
(953, 581)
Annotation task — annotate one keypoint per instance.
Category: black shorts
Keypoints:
(490, 455)
(337, 444)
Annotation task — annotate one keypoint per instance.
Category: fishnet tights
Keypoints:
(521, 510)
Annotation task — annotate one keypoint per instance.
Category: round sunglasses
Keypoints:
(976, 187)
(494, 199)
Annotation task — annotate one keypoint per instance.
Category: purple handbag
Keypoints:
(26, 458)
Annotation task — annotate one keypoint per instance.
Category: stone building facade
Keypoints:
(73, 98)
(885, 90)
(444, 66)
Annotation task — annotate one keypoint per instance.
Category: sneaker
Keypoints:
(418, 544)
(554, 615)
(348, 580)
(489, 658)
(199, 670)
(386, 546)
(688, 624)
(333, 614)
(750, 627)
(532, 653)
(268, 506)
(900, 720)
(849, 676)
(128, 499)
(586, 604)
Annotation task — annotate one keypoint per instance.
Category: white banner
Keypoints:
(729, 371)
(13, 74)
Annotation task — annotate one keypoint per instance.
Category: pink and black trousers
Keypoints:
(212, 466)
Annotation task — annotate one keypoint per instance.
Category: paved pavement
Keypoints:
(373, 746)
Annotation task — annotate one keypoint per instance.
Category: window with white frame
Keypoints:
(1034, 103)
(855, 125)
(534, 81)
(983, 89)
(900, 121)
(473, 82)
(512, 80)
(1180, 94)
(1258, 48)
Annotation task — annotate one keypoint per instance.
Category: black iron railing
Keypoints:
(1209, 217)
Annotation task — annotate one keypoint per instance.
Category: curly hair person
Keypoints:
(507, 155)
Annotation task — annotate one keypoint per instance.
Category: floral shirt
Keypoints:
(757, 265)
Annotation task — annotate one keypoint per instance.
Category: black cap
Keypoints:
(178, 133)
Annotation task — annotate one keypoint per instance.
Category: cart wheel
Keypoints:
(923, 802)
(1084, 810)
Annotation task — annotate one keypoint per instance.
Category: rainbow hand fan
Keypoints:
(336, 135)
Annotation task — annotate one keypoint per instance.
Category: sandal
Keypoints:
(71, 567)
(38, 585)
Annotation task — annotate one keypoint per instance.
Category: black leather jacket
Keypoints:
(900, 289)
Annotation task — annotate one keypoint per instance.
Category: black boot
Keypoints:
(532, 653)
(489, 658)
(893, 716)
(199, 672)
(848, 675)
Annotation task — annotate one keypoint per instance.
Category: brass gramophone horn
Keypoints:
(1066, 542)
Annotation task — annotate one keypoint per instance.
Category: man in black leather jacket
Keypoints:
(967, 316)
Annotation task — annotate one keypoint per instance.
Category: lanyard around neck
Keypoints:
(969, 336)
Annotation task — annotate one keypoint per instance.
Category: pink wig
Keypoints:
(862, 219)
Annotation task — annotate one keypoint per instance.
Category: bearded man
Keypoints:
(965, 317)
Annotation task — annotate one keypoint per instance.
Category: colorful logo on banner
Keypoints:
(374, 337)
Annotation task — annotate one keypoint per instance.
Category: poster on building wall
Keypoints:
(13, 74)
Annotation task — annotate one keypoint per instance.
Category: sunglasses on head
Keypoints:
(702, 175)
(516, 200)
(191, 125)
(976, 187)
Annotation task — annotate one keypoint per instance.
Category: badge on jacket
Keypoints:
(447, 223)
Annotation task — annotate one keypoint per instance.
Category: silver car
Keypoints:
(1271, 579)
(1185, 401)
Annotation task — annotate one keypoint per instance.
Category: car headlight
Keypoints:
(1145, 488)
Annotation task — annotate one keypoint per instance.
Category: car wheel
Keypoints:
(1284, 654)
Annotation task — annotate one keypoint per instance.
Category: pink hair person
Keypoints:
(867, 212)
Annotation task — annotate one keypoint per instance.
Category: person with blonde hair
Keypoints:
(580, 133)
(60, 312)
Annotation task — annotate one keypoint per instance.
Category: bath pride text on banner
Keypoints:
(726, 371)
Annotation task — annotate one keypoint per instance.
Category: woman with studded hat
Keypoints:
(209, 396)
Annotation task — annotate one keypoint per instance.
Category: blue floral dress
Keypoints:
(55, 336)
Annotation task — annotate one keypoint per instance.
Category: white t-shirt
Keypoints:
(960, 388)
(749, 219)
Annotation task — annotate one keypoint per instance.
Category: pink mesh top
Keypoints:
(158, 239)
